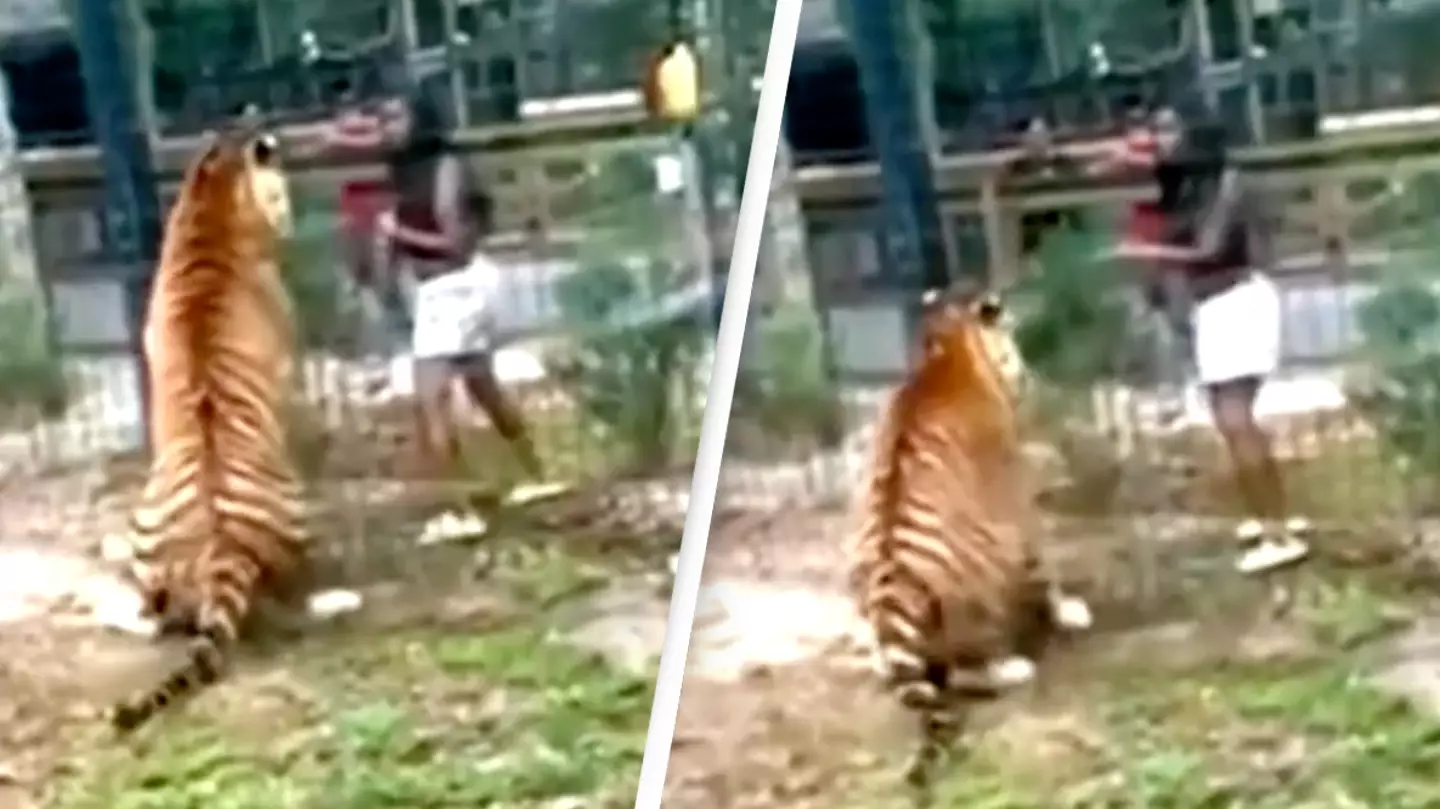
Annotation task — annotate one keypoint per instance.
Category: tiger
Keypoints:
(220, 522)
(946, 574)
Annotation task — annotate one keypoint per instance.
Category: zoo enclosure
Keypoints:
(1353, 406)
(605, 257)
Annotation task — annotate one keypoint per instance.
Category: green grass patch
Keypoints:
(1301, 731)
(414, 719)
(411, 718)
(1260, 737)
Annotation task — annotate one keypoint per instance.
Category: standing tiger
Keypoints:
(220, 520)
(944, 568)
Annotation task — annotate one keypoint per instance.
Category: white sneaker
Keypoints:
(1272, 554)
(1298, 527)
(1249, 532)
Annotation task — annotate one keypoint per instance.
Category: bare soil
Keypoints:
(453, 687)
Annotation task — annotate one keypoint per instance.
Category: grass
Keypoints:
(1262, 737)
(1295, 732)
(414, 718)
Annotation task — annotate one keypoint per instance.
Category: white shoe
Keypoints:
(1271, 554)
(1298, 527)
(527, 493)
(1250, 531)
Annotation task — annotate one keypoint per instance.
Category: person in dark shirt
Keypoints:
(426, 221)
(1209, 238)
(433, 233)
(1146, 136)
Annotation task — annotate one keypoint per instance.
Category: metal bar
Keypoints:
(912, 238)
(1392, 146)
(104, 38)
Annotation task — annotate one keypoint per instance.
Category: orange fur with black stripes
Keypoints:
(945, 569)
(220, 521)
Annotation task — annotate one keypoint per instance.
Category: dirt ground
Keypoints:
(454, 687)
(1188, 693)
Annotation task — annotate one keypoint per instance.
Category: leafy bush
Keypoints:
(1075, 313)
(787, 390)
(327, 311)
(636, 385)
(1400, 329)
(1077, 328)
(32, 376)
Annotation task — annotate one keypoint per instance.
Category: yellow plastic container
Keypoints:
(673, 84)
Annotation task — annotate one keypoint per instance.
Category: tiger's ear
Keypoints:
(211, 144)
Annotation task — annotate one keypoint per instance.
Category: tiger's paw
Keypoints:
(327, 605)
(1012, 672)
(1072, 613)
(124, 611)
(116, 549)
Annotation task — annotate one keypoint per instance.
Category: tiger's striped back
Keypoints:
(944, 570)
(220, 521)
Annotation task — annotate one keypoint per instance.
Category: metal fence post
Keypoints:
(105, 39)
(913, 240)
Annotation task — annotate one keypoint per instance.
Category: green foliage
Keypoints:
(787, 389)
(32, 377)
(1400, 327)
(633, 384)
(326, 313)
(1074, 317)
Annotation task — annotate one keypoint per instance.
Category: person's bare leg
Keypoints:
(486, 391)
(434, 419)
(443, 453)
(1258, 480)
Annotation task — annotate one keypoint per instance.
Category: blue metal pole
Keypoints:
(912, 240)
(105, 39)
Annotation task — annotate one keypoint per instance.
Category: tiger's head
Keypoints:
(239, 175)
(972, 328)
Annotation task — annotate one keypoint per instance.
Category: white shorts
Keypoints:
(1237, 332)
(454, 311)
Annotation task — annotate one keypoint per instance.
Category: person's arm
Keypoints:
(449, 202)
(452, 237)
(1121, 159)
(348, 133)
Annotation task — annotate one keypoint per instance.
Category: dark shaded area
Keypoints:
(47, 92)
(824, 109)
